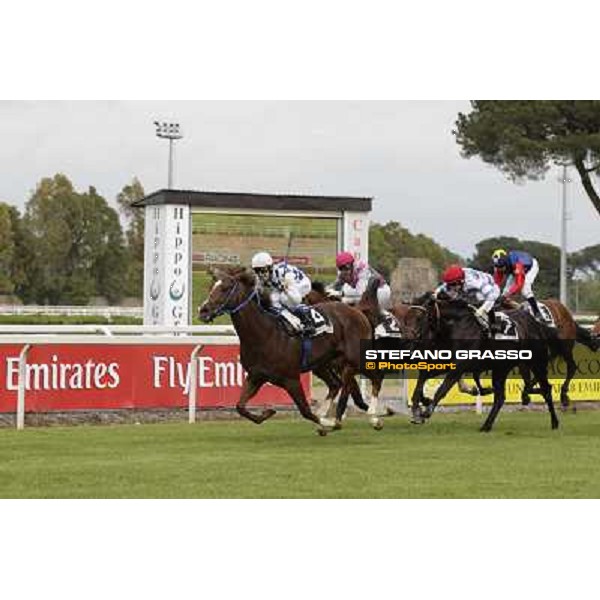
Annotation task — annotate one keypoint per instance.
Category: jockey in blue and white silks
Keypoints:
(287, 285)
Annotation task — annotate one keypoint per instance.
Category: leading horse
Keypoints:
(270, 355)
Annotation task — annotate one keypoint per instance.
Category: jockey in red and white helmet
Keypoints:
(471, 282)
(353, 278)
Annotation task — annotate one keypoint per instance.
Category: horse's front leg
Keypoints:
(294, 388)
(499, 383)
(324, 408)
(417, 400)
(376, 411)
(450, 379)
(251, 386)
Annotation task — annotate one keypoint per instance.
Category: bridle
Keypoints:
(425, 311)
(224, 310)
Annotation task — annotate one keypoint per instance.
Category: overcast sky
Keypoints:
(400, 153)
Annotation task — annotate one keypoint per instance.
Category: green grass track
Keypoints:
(446, 458)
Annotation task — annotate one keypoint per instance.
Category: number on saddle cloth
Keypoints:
(389, 327)
(507, 327)
(544, 310)
(317, 322)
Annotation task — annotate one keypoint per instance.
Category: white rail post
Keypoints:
(479, 404)
(21, 389)
(193, 384)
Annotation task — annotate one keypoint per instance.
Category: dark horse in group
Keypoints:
(269, 354)
(452, 325)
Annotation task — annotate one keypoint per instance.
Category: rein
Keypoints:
(222, 310)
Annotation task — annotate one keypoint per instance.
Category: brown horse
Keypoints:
(269, 354)
(369, 306)
(569, 332)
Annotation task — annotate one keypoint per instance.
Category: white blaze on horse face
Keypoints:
(213, 289)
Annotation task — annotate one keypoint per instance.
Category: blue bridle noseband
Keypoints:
(223, 310)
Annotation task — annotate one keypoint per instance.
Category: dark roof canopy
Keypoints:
(256, 201)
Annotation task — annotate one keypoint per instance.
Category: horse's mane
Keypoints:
(319, 287)
(369, 297)
(422, 299)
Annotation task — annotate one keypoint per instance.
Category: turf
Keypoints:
(447, 458)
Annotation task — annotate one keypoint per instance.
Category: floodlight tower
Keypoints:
(171, 132)
(564, 180)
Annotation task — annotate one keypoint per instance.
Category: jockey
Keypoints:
(287, 286)
(457, 279)
(353, 279)
(517, 270)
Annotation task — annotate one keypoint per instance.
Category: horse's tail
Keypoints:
(583, 336)
(551, 336)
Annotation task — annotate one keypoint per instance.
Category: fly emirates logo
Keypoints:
(168, 372)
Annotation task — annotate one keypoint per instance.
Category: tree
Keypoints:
(586, 261)
(390, 242)
(109, 258)
(77, 242)
(134, 233)
(547, 283)
(523, 138)
(7, 250)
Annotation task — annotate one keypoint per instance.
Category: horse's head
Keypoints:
(414, 323)
(231, 289)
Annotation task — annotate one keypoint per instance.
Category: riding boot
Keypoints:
(494, 325)
(535, 308)
(291, 322)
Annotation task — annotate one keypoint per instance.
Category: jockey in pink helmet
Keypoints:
(353, 278)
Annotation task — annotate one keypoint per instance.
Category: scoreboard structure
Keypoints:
(188, 231)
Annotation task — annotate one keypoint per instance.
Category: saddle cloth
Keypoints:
(317, 321)
(388, 328)
(546, 314)
(507, 327)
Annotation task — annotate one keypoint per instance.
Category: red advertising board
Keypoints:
(62, 377)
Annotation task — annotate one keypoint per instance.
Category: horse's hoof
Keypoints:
(322, 432)
(267, 414)
(337, 426)
(327, 423)
(417, 420)
(376, 423)
(389, 412)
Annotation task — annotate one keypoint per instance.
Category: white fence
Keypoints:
(73, 311)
